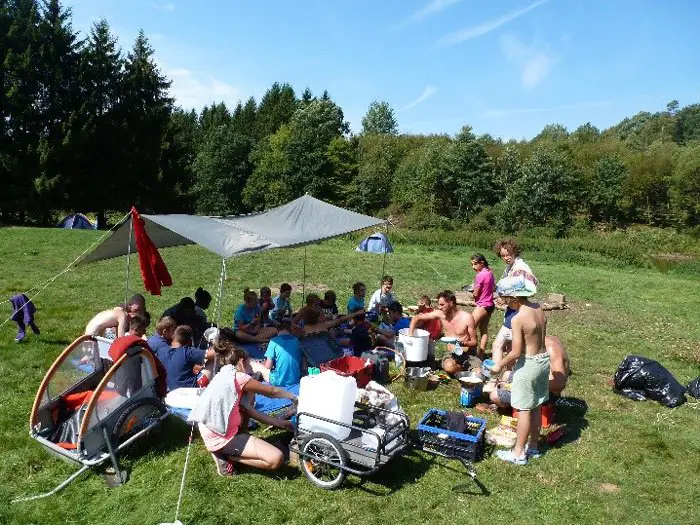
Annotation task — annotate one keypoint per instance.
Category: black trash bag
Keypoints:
(639, 378)
(693, 388)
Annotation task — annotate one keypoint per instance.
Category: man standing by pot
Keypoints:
(455, 323)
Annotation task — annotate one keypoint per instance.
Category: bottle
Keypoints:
(458, 349)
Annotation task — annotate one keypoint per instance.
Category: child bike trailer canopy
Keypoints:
(97, 398)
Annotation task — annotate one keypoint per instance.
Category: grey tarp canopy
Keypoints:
(302, 221)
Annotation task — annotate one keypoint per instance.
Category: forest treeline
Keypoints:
(89, 127)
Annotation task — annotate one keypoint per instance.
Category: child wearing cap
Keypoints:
(530, 382)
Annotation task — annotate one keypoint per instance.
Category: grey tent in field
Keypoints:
(305, 220)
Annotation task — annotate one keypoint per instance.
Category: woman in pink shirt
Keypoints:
(236, 444)
(484, 285)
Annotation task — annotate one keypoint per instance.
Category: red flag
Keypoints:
(153, 269)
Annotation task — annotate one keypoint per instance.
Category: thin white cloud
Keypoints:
(169, 7)
(475, 31)
(196, 90)
(432, 8)
(428, 92)
(552, 109)
(535, 64)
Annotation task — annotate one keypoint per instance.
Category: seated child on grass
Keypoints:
(383, 297)
(185, 362)
(139, 324)
(246, 321)
(313, 322)
(281, 306)
(266, 305)
(161, 340)
(357, 301)
(328, 306)
(312, 301)
(283, 357)
(361, 333)
(386, 333)
(202, 300)
(433, 326)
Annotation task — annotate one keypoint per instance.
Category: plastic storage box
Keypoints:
(353, 366)
(435, 437)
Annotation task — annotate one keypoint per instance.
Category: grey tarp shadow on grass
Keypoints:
(305, 220)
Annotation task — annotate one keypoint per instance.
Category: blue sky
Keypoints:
(504, 67)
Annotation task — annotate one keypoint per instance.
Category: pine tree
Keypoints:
(176, 163)
(276, 108)
(19, 155)
(58, 97)
(244, 120)
(145, 109)
(215, 116)
(96, 130)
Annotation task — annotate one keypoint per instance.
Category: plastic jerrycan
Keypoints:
(330, 396)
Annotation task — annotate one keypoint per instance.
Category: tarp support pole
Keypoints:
(386, 236)
(383, 267)
(303, 279)
(219, 300)
(128, 259)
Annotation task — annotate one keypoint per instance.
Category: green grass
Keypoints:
(629, 463)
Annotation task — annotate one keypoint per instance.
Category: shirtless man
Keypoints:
(455, 323)
(530, 384)
(559, 372)
(117, 318)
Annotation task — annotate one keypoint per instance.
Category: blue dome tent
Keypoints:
(77, 221)
(375, 243)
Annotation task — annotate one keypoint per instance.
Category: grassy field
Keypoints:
(625, 462)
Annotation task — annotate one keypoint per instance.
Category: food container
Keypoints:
(360, 369)
(417, 378)
(487, 366)
(415, 346)
(501, 437)
(469, 379)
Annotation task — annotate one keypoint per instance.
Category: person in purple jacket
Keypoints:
(23, 311)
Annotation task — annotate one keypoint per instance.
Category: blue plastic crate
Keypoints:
(437, 439)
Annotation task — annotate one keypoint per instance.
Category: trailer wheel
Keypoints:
(135, 418)
(322, 459)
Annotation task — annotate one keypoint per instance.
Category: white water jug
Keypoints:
(330, 396)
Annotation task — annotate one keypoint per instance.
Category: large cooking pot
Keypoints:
(417, 378)
(415, 346)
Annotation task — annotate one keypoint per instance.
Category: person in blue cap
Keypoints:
(530, 382)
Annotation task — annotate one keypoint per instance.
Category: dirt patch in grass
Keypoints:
(609, 488)
(308, 287)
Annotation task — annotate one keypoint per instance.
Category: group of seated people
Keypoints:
(189, 357)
